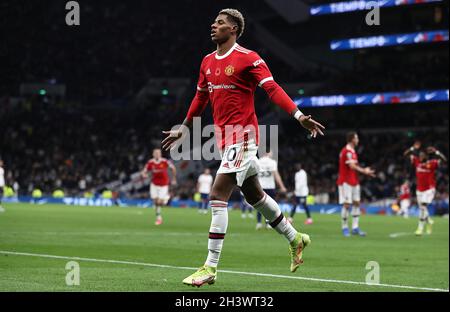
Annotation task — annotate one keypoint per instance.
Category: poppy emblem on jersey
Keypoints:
(229, 70)
(217, 71)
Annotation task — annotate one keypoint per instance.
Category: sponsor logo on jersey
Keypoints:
(258, 62)
(229, 70)
(208, 72)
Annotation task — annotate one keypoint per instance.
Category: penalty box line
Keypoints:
(5, 252)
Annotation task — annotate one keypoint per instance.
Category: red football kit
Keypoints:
(425, 173)
(160, 176)
(229, 82)
(346, 174)
(405, 192)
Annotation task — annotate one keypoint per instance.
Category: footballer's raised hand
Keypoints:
(310, 124)
(172, 137)
(369, 172)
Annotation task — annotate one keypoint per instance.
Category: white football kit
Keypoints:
(267, 166)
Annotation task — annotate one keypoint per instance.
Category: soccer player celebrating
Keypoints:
(404, 199)
(269, 177)
(228, 80)
(348, 184)
(426, 181)
(204, 184)
(160, 180)
(2, 184)
(301, 194)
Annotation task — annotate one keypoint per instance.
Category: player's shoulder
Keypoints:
(249, 56)
(209, 56)
(242, 50)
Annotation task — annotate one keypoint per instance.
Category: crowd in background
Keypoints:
(78, 149)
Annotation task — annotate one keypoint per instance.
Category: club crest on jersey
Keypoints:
(229, 70)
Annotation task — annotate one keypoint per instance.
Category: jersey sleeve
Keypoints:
(274, 166)
(258, 69)
(149, 166)
(202, 83)
(349, 157)
(435, 163)
(415, 160)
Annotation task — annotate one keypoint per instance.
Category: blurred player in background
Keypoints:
(425, 181)
(404, 199)
(228, 79)
(348, 184)
(2, 184)
(160, 181)
(268, 177)
(246, 208)
(301, 194)
(204, 184)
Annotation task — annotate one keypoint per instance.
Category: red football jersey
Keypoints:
(160, 175)
(404, 192)
(231, 80)
(425, 173)
(346, 174)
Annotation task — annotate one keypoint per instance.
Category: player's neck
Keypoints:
(223, 48)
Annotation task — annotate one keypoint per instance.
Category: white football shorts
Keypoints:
(349, 194)
(159, 192)
(425, 197)
(241, 159)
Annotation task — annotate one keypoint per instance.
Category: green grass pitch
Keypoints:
(332, 262)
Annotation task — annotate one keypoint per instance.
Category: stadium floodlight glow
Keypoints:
(42, 92)
(360, 5)
(165, 92)
(390, 40)
(381, 98)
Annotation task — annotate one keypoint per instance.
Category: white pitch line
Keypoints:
(5, 252)
(395, 235)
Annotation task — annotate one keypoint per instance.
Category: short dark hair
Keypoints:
(236, 17)
(350, 135)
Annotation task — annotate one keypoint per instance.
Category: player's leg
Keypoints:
(268, 207)
(430, 198)
(243, 207)
(221, 191)
(424, 199)
(258, 220)
(294, 209)
(158, 211)
(423, 218)
(404, 208)
(356, 210)
(304, 204)
(344, 200)
(155, 200)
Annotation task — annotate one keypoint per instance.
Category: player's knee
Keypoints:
(217, 196)
(254, 197)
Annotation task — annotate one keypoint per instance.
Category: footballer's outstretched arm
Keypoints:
(416, 146)
(366, 171)
(279, 181)
(174, 173)
(261, 73)
(433, 150)
(198, 105)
